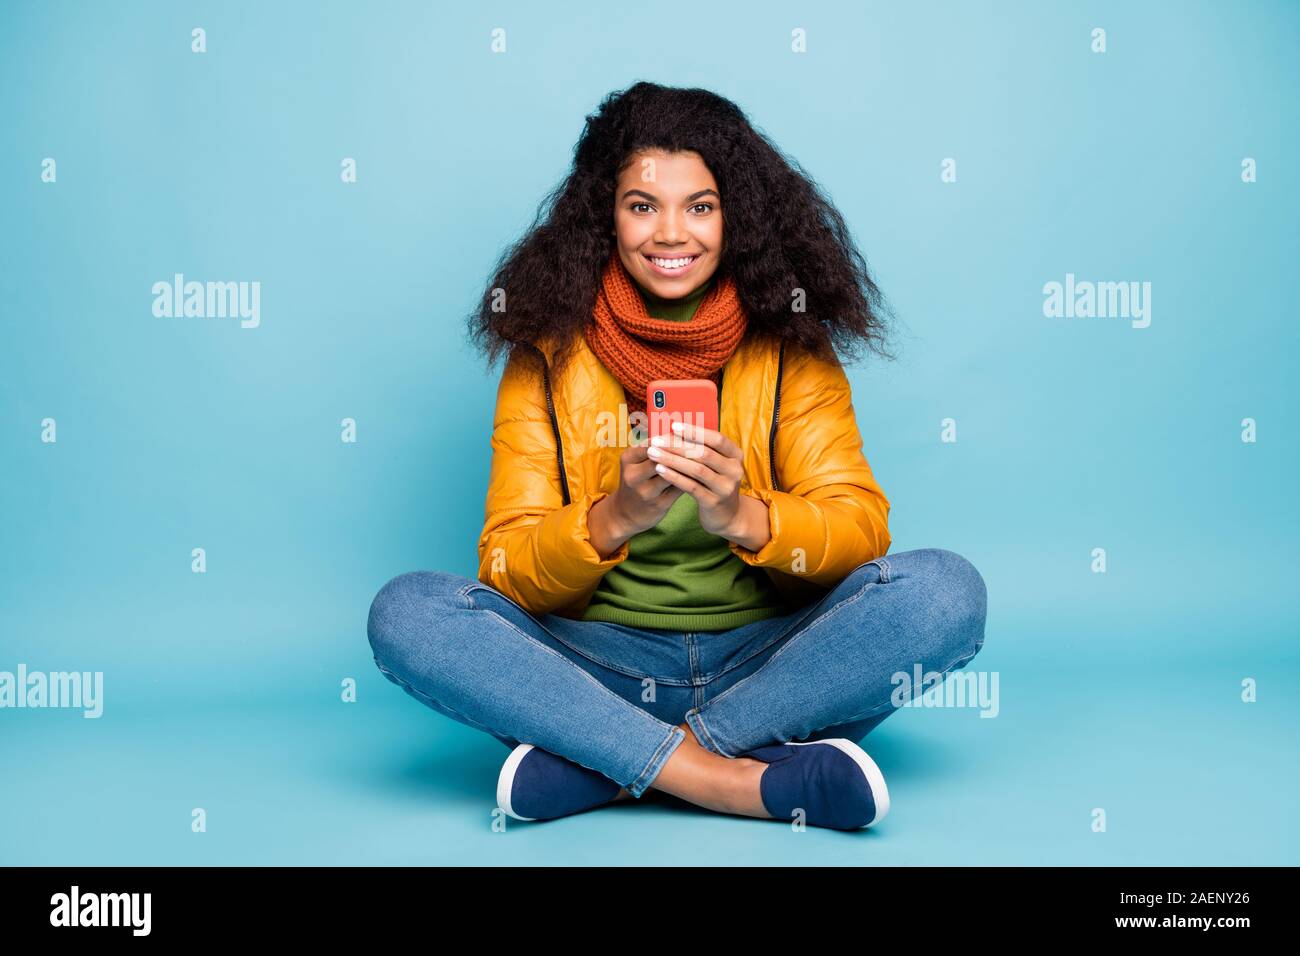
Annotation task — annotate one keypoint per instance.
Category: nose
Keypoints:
(671, 228)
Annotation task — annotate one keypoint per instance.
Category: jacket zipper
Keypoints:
(776, 417)
(555, 425)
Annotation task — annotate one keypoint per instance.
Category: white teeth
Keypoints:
(672, 263)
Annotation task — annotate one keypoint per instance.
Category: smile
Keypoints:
(672, 266)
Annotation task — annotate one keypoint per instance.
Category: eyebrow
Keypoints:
(691, 198)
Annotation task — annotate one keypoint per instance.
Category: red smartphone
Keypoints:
(690, 400)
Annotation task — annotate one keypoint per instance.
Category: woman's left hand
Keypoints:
(708, 465)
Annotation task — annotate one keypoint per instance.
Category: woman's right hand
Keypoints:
(643, 497)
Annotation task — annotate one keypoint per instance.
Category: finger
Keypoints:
(701, 474)
(648, 485)
(644, 479)
(670, 493)
(693, 448)
(707, 436)
(697, 453)
(679, 480)
(694, 451)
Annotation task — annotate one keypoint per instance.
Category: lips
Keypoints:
(672, 265)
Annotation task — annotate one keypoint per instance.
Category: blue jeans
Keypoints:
(610, 697)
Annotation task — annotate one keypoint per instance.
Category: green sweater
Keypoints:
(676, 575)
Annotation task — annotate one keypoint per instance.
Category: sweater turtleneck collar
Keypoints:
(675, 310)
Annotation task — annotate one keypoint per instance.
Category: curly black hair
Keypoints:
(779, 233)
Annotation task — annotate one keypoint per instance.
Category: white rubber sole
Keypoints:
(875, 779)
(506, 780)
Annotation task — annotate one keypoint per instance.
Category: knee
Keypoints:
(405, 606)
(955, 597)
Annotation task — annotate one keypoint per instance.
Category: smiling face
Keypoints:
(668, 222)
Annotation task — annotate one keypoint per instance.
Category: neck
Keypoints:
(680, 309)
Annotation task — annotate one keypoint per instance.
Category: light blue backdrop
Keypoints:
(1119, 691)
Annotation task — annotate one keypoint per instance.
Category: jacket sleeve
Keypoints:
(534, 549)
(832, 515)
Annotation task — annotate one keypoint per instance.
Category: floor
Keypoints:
(1185, 771)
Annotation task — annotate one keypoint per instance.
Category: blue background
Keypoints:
(222, 690)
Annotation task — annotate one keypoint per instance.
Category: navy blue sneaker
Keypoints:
(833, 781)
(535, 784)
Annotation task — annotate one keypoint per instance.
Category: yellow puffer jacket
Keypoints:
(555, 453)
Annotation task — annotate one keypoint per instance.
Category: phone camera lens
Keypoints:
(659, 399)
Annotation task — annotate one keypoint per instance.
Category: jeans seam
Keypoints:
(532, 640)
(829, 611)
(653, 721)
(618, 668)
(696, 723)
(622, 669)
(696, 720)
(784, 632)
(692, 662)
(638, 786)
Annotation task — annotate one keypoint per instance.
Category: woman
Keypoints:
(715, 618)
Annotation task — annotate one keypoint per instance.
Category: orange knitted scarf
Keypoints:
(638, 348)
